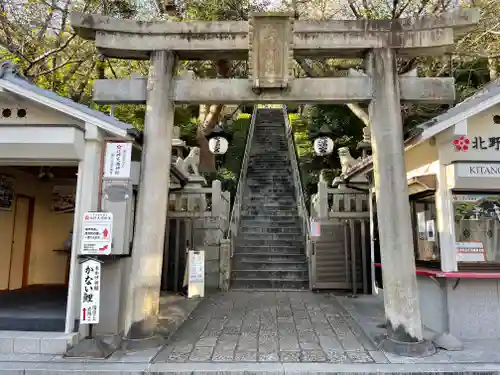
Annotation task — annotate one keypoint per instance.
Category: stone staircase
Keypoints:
(269, 251)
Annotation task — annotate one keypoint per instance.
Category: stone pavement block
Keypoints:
(201, 354)
(27, 345)
(268, 357)
(26, 357)
(360, 357)
(337, 356)
(289, 356)
(59, 345)
(245, 356)
(82, 368)
(6, 345)
(312, 356)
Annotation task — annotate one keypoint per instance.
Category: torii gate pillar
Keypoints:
(402, 310)
(142, 304)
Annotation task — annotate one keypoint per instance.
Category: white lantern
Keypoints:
(323, 146)
(218, 145)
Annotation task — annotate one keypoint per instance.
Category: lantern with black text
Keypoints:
(218, 140)
(323, 142)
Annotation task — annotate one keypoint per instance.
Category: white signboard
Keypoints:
(97, 233)
(196, 273)
(490, 170)
(315, 229)
(472, 251)
(196, 266)
(91, 288)
(117, 161)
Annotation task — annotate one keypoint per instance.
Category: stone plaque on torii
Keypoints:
(270, 42)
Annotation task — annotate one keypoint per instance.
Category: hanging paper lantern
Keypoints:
(218, 140)
(218, 145)
(323, 146)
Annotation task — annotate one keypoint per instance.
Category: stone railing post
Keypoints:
(226, 208)
(322, 205)
(217, 208)
(225, 264)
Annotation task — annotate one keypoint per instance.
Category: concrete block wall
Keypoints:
(20, 342)
(466, 308)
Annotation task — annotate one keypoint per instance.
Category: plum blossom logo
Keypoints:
(461, 144)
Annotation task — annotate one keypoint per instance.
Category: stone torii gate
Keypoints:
(270, 42)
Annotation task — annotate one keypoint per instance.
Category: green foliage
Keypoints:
(230, 164)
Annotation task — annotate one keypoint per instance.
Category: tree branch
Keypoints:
(355, 108)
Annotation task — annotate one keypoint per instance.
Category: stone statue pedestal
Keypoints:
(196, 202)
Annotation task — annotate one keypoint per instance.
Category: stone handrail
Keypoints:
(299, 192)
(201, 202)
(236, 211)
(338, 203)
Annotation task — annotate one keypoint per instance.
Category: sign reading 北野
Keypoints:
(478, 143)
(117, 161)
(97, 233)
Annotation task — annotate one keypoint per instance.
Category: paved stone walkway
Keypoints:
(240, 326)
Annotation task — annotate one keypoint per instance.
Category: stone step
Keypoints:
(276, 229)
(270, 220)
(268, 204)
(269, 265)
(268, 212)
(36, 342)
(283, 205)
(263, 172)
(248, 248)
(268, 257)
(251, 223)
(278, 284)
(286, 197)
(270, 274)
(289, 238)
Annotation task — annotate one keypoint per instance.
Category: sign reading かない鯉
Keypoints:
(90, 292)
(490, 170)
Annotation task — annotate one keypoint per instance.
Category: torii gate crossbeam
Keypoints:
(270, 41)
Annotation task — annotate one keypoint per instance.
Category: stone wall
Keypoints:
(208, 233)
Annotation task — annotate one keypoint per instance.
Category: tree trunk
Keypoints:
(207, 124)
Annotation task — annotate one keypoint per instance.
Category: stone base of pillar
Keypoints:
(422, 348)
(91, 348)
(141, 344)
(401, 343)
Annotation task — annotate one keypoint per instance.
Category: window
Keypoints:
(477, 227)
(426, 241)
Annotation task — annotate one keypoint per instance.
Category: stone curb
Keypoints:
(82, 368)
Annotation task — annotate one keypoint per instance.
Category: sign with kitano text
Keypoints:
(97, 233)
(491, 170)
(117, 160)
(90, 294)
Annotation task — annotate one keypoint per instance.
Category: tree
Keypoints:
(36, 35)
(215, 10)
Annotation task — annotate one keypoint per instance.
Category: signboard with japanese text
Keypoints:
(117, 161)
(478, 170)
(315, 228)
(97, 233)
(196, 273)
(478, 143)
(90, 294)
(470, 251)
